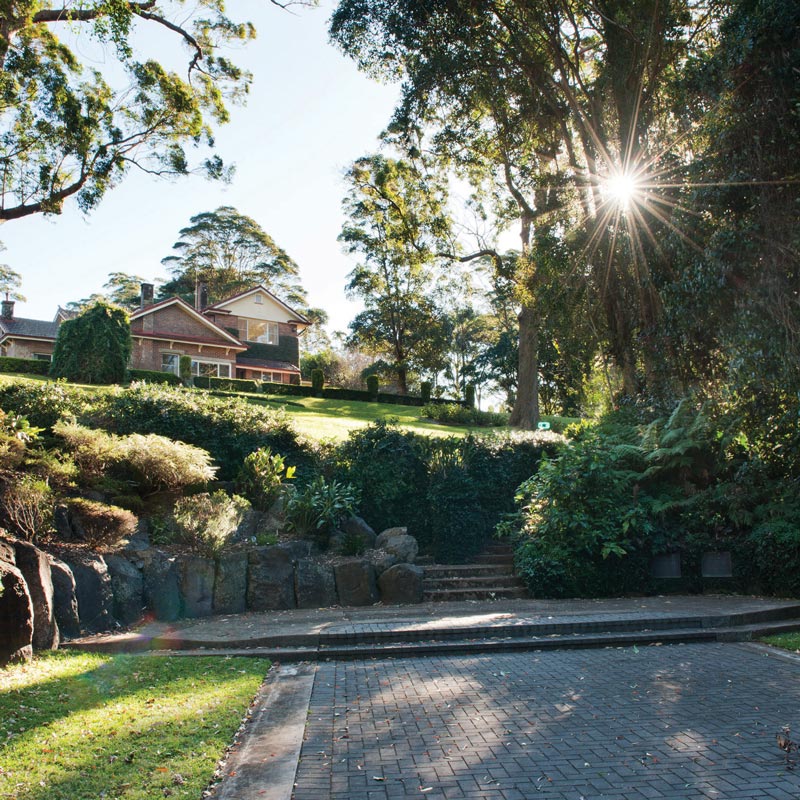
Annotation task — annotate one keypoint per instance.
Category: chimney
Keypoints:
(147, 294)
(201, 295)
(7, 308)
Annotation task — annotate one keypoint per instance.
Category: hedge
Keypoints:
(152, 376)
(31, 366)
(225, 384)
(347, 394)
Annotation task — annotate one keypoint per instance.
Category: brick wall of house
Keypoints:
(22, 348)
(172, 319)
(146, 353)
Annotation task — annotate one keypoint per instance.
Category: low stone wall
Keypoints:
(70, 591)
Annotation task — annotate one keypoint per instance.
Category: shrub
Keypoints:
(153, 463)
(185, 370)
(372, 386)
(457, 414)
(775, 549)
(226, 384)
(207, 522)
(94, 347)
(385, 466)
(319, 508)
(151, 376)
(43, 404)
(425, 391)
(28, 506)
(469, 395)
(583, 527)
(102, 524)
(317, 379)
(30, 366)
(261, 477)
(229, 428)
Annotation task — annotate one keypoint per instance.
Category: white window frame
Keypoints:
(221, 366)
(271, 336)
(175, 369)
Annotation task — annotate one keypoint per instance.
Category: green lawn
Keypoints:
(787, 641)
(75, 726)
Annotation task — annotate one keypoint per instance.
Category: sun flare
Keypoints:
(620, 189)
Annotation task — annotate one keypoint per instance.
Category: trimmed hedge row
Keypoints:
(348, 394)
(31, 366)
(225, 384)
(152, 376)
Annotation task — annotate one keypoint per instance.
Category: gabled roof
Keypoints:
(185, 307)
(28, 328)
(221, 305)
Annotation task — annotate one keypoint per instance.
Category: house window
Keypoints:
(42, 357)
(258, 300)
(171, 362)
(253, 330)
(211, 369)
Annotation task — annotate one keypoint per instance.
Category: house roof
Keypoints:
(184, 306)
(222, 303)
(262, 363)
(28, 328)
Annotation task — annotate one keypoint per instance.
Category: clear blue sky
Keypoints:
(309, 114)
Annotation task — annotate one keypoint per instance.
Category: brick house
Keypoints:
(250, 335)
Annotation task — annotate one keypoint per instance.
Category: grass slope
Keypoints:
(75, 726)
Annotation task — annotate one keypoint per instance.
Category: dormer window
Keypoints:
(258, 300)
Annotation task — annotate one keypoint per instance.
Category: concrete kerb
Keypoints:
(450, 628)
(263, 762)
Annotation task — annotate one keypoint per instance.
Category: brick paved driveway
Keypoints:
(678, 722)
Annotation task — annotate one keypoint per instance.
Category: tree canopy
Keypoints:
(230, 252)
(82, 100)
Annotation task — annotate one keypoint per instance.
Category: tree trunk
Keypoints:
(525, 414)
(402, 380)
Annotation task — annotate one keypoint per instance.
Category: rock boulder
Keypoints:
(230, 584)
(127, 588)
(270, 578)
(92, 589)
(355, 583)
(197, 586)
(401, 584)
(65, 600)
(398, 542)
(161, 586)
(34, 565)
(16, 616)
(314, 584)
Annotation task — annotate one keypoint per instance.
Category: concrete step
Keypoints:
(465, 570)
(471, 582)
(484, 593)
(495, 558)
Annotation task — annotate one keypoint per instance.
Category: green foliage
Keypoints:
(226, 384)
(150, 462)
(151, 376)
(44, 403)
(104, 525)
(582, 527)
(456, 414)
(261, 477)
(27, 506)
(469, 395)
(69, 130)
(94, 347)
(372, 386)
(185, 370)
(229, 428)
(317, 379)
(425, 391)
(319, 507)
(30, 366)
(207, 522)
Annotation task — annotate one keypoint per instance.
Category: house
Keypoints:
(250, 335)
(27, 338)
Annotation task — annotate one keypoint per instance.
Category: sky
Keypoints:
(309, 114)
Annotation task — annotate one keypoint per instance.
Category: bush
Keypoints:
(317, 379)
(30, 366)
(469, 396)
(207, 522)
(185, 370)
(319, 508)
(43, 404)
(425, 391)
(226, 384)
(261, 477)
(775, 549)
(151, 376)
(94, 347)
(229, 428)
(372, 386)
(583, 528)
(27, 506)
(153, 463)
(457, 414)
(102, 524)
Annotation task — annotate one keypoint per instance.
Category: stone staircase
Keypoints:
(489, 577)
